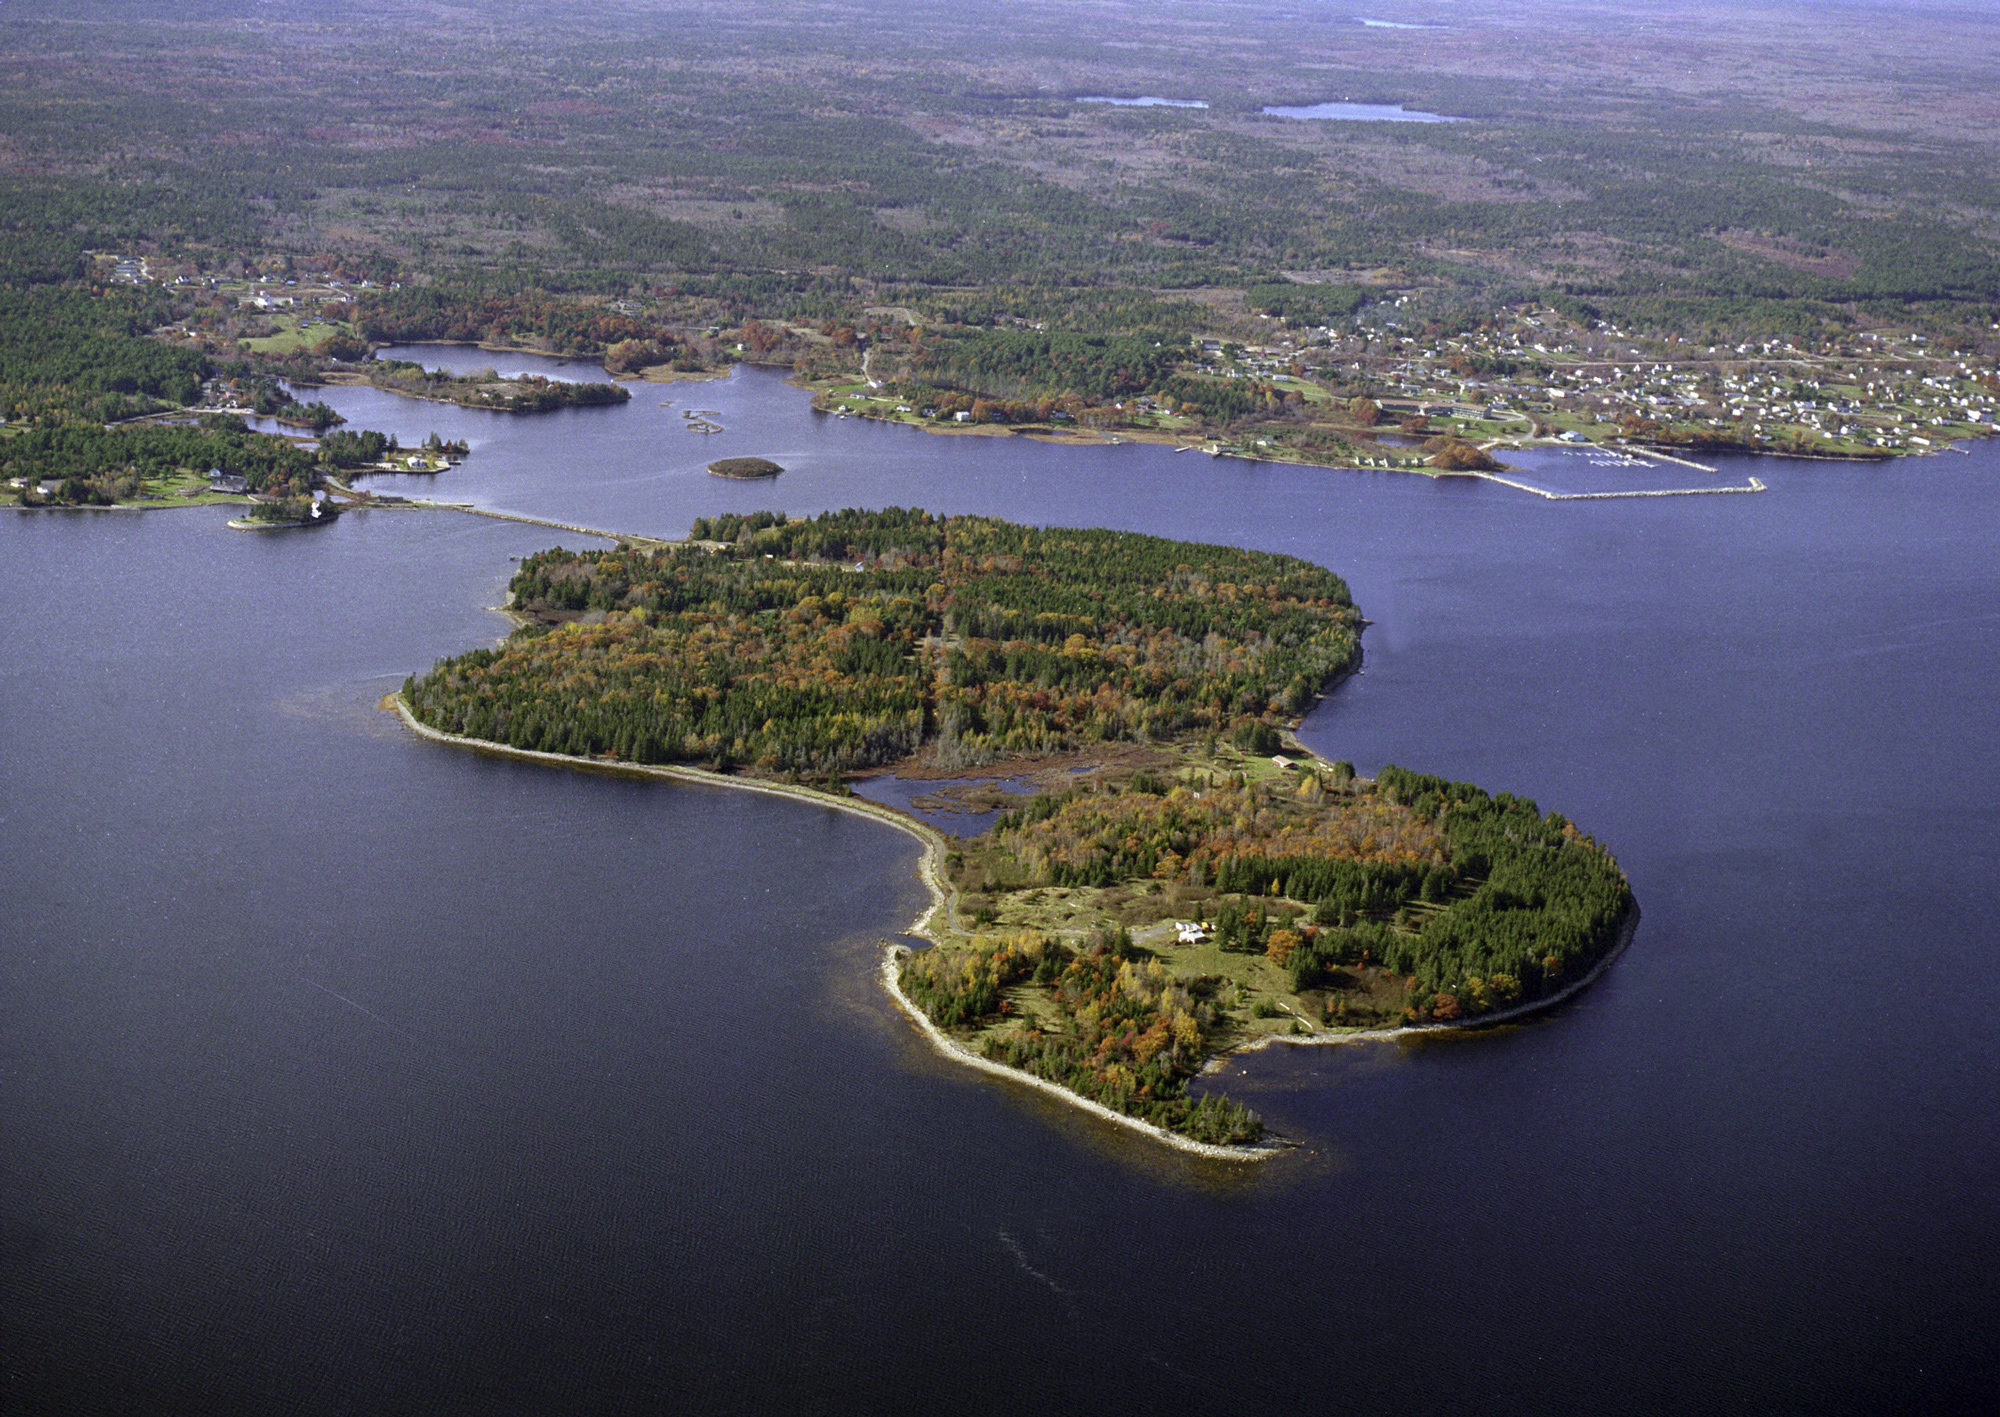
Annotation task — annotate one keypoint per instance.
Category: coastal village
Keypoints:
(1535, 376)
(1388, 387)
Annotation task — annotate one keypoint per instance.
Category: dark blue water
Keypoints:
(1586, 472)
(509, 364)
(343, 1073)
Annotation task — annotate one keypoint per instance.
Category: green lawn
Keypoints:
(293, 335)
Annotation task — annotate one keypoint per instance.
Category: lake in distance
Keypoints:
(345, 1073)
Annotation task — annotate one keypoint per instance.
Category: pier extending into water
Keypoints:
(1754, 486)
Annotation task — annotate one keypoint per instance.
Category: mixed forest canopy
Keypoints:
(1462, 903)
(853, 639)
(812, 648)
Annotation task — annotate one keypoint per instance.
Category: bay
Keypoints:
(347, 1073)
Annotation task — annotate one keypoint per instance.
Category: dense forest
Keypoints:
(938, 197)
(851, 639)
(93, 465)
(1234, 838)
(1308, 304)
(1014, 363)
(73, 352)
(948, 168)
(488, 312)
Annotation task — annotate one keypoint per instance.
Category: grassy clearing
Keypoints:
(1251, 993)
(294, 335)
(186, 489)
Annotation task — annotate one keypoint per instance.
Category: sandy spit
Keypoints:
(930, 870)
(944, 906)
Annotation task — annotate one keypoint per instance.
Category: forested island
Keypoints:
(744, 468)
(1187, 889)
(526, 393)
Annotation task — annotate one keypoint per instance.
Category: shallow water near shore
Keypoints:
(344, 1072)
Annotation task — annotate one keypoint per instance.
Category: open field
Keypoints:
(188, 488)
(294, 336)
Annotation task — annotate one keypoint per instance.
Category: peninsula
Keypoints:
(1181, 887)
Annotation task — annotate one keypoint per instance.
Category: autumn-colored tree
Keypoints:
(1459, 456)
(628, 356)
(1278, 949)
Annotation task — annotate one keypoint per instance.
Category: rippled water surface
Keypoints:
(344, 1073)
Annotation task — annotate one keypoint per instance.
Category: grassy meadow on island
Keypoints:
(1188, 889)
